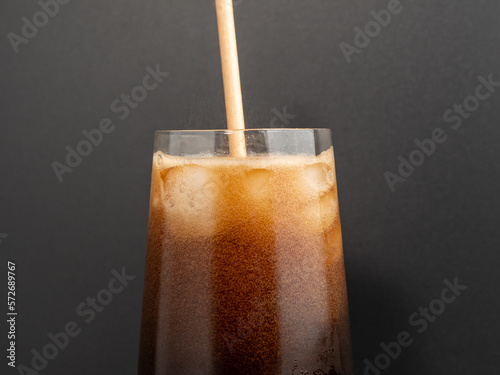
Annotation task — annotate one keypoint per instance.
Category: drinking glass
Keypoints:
(244, 264)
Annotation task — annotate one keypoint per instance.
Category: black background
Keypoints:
(441, 223)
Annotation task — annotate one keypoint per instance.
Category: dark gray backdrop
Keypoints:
(441, 223)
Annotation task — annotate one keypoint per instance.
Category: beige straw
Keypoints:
(231, 76)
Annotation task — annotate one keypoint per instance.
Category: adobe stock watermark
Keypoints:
(30, 26)
(420, 321)
(455, 116)
(87, 312)
(121, 107)
(372, 29)
(281, 119)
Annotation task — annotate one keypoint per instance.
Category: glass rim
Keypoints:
(229, 131)
(260, 141)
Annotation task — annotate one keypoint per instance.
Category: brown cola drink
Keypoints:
(245, 269)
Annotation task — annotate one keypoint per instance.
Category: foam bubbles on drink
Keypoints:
(210, 190)
(257, 182)
(171, 202)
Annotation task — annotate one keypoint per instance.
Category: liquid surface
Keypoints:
(245, 270)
